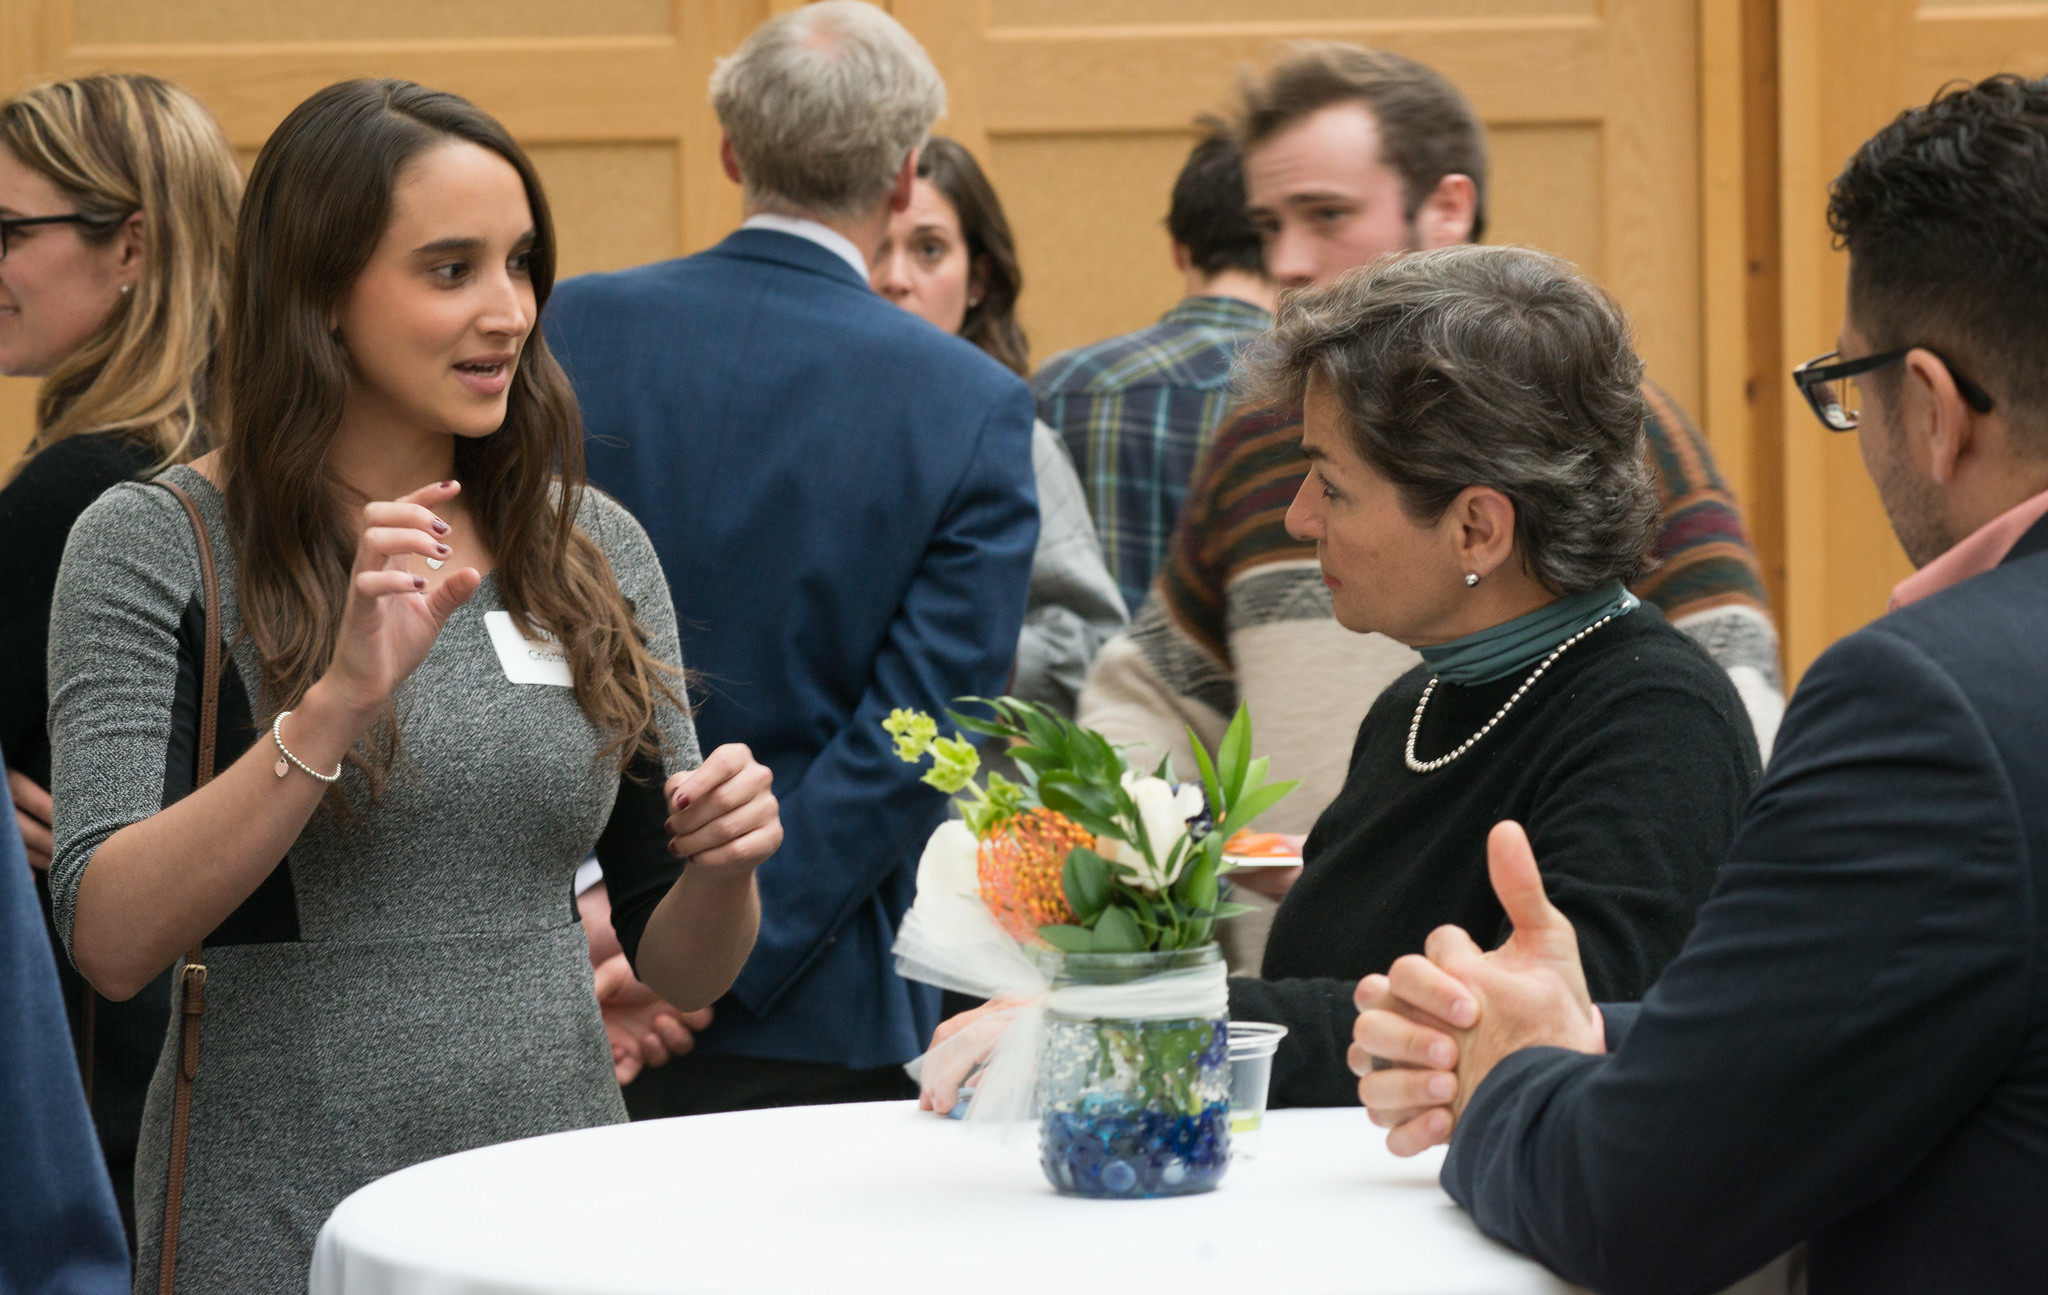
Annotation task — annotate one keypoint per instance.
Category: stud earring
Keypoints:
(1471, 579)
(125, 288)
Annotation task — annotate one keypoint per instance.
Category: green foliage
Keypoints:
(1076, 772)
(1161, 1057)
(913, 731)
(1116, 931)
(1235, 782)
(954, 764)
(1068, 939)
(1003, 801)
(1089, 883)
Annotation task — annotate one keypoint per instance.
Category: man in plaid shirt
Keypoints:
(1137, 411)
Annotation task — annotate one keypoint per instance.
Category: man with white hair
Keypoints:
(842, 498)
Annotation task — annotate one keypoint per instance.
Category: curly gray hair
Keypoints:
(1482, 366)
(822, 104)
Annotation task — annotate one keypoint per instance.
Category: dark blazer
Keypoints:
(842, 498)
(58, 1227)
(1852, 1048)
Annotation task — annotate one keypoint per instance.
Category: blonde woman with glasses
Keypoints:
(117, 212)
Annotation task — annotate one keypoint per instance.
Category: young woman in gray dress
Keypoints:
(453, 672)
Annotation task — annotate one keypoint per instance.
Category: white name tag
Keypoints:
(528, 660)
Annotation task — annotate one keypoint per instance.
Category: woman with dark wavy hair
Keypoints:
(451, 672)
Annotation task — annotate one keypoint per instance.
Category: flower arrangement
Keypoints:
(1086, 855)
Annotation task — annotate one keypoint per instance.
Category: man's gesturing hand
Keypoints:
(1453, 1015)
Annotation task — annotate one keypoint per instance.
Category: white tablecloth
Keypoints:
(850, 1199)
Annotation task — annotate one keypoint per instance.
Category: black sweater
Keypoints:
(1629, 763)
(37, 509)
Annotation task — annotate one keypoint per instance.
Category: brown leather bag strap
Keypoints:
(193, 977)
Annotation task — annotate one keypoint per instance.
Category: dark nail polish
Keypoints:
(443, 550)
(440, 527)
(419, 582)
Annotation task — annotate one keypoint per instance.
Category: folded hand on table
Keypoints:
(1431, 1029)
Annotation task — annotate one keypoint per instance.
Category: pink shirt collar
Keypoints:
(1984, 549)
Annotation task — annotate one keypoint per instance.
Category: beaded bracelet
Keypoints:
(284, 753)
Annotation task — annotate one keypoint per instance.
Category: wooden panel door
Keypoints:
(1848, 67)
(609, 98)
(1083, 111)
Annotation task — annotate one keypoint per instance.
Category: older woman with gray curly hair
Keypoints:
(1478, 491)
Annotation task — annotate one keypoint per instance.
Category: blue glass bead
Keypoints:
(1119, 1177)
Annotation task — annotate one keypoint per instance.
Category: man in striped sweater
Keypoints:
(1351, 154)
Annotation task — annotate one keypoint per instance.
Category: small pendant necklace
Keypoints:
(1415, 726)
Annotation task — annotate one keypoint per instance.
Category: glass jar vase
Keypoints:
(1132, 1107)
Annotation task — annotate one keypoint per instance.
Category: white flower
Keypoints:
(1165, 813)
(947, 866)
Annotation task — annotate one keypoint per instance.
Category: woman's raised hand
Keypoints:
(723, 814)
(391, 619)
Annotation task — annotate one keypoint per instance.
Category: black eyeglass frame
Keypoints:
(1813, 376)
(12, 223)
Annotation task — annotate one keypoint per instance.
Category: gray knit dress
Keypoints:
(411, 981)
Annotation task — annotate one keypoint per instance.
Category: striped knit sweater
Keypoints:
(1239, 612)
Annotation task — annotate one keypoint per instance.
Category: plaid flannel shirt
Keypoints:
(1137, 412)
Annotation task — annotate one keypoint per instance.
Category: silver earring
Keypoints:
(1471, 579)
(125, 287)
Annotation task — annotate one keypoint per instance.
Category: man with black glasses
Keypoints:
(1852, 1049)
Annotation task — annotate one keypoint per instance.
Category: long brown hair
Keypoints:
(991, 323)
(318, 202)
(115, 146)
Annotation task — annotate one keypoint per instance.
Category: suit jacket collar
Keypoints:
(2034, 541)
(778, 248)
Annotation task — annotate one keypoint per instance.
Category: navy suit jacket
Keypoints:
(841, 495)
(58, 1227)
(1852, 1048)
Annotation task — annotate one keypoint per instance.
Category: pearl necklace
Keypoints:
(1415, 726)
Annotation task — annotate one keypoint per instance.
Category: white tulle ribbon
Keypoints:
(951, 940)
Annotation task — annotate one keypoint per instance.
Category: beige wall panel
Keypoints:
(17, 418)
(1650, 188)
(1974, 41)
(615, 205)
(1140, 78)
(1090, 218)
(572, 88)
(1546, 191)
(952, 33)
(98, 22)
(1850, 66)
(1061, 13)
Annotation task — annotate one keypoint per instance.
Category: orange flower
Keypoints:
(1020, 865)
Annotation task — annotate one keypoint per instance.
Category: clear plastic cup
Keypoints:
(1252, 1044)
